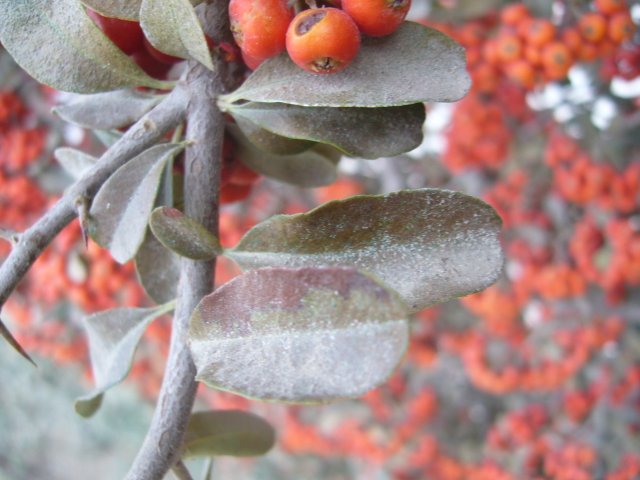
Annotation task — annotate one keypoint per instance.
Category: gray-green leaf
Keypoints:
(107, 111)
(227, 432)
(268, 141)
(158, 269)
(299, 335)
(113, 338)
(415, 64)
(120, 211)
(429, 245)
(59, 45)
(173, 28)
(359, 132)
(75, 162)
(125, 9)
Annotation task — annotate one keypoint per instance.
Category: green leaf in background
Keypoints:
(359, 132)
(158, 269)
(173, 28)
(183, 235)
(120, 211)
(268, 141)
(314, 167)
(75, 162)
(227, 432)
(107, 111)
(59, 45)
(113, 338)
(413, 65)
(429, 245)
(299, 335)
(125, 9)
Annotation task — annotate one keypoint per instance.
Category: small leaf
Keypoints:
(429, 245)
(270, 142)
(158, 269)
(359, 132)
(183, 235)
(74, 162)
(173, 28)
(59, 45)
(125, 9)
(107, 137)
(113, 339)
(227, 432)
(6, 334)
(298, 335)
(314, 167)
(107, 111)
(121, 209)
(413, 65)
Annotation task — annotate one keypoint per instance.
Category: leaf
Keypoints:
(120, 211)
(6, 334)
(173, 28)
(429, 245)
(158, 269)
(298, 335)
(270, 142)
(227, 432)
(183, 235)
(113, 338)
(359, 132)
(107, 111)
(59, 45)
(74, 162)
(107, 137)
(314, 167)
(125, 9)
(413, 65)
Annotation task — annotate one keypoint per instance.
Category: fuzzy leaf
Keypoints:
(158, 269)
(10, 339)
(429, 245)
(75, 162)
(227, 432)
(113, 338)
(120, 211)
(183, 235)
(59, 45)
(125, 9)
(270, 142)
(298, 335)
(173, 28)
(413, 65)
(358, 132)
(107, 111)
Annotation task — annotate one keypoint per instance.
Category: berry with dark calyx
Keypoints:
(125, 34)
(377, 18)
(259, 27)
(323, 40)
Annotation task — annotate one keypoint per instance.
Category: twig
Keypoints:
(205, 126)
(180, 471)
(148, 130)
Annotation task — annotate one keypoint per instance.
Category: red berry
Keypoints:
(377, 17)
(259, 27)
(125, 35)
(151, 65)
(323, 40)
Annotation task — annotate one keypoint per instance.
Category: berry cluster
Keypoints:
(318, 40)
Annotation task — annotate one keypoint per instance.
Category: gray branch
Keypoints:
(147, 131)
(205, 127)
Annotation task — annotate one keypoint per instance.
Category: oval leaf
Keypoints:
(113, 338)
(74, 162)
(429, 245)
(227, 432)
(59, 45)
(413, 65)
(158, 269)
(359, 132)
(183, 235)
(120, 211)
(298, 335)
(268, 141)
(107, 111)
(125, 9)
(172, 27)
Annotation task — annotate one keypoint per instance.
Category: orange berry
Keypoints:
(522, 73)
(556, 59)
(514, 14)
(621, 27)
(377, 18)
(593, 27)
(323, 40)
(540, 31)
(610, 6)
(572, 39)
(509, 48)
